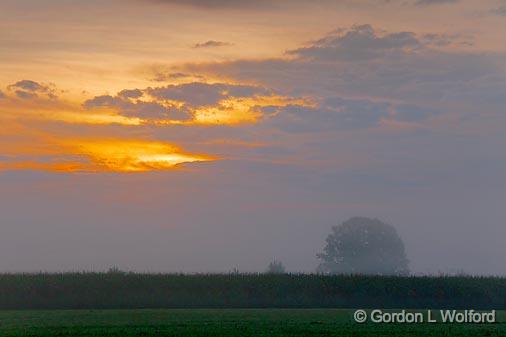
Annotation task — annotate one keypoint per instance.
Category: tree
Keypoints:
(275, 267)
(364, 246)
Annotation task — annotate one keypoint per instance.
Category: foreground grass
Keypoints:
(222, 323)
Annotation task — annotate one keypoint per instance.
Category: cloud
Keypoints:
(25, 94)
(2, 95)
(141, 109)
(28, 89)
(212, 43)
(434, 2)
(445, 40)
(195, 94)
(367, 62)
(412, 113)
(335, 114)
(103, 101)
(40, 133)
(338, 113)
(28, 85)
(202, 94)
(183, 109)
(360, 43)
(101, 155)
(158, 74)
(386, 81)
(130, 93)
(364, 78)
(193, 103)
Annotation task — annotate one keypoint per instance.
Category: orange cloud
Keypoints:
(100, 156)
(241, 110)
(38, 143)
(134, 155)
(50, 109)
(195, 103)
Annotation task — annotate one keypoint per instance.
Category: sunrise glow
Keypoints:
(133, 156)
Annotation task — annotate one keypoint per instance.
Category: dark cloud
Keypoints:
(25, 94)
(360, 43)
(365, 62)
(201, 94)
(2, 95)
(353, 113)
(28, 89)
(140, 109)
(103, 101)
(28, 85)
(130, 93)
(337, 113)
(211, 44)
(177, 75)
(195, 94)
(434, 2)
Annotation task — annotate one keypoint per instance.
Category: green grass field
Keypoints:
(223, 323)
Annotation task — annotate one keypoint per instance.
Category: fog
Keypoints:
(237, 215)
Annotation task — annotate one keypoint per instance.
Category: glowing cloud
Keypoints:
(104, 156)
(242, 110)
(133, 156)
(192, 103)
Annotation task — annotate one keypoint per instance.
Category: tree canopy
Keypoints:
(364, 246)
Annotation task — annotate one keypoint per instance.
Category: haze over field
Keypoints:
(202, 136)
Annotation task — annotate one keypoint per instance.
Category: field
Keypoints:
(221, 323)
(117, 290)
(131, 304)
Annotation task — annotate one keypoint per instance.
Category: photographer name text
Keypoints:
(428, 316)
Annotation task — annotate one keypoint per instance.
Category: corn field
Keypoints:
(117, 290)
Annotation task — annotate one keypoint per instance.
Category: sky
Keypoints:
(208, 136)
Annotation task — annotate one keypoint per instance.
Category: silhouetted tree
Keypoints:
(275, 267)
(364, 246)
